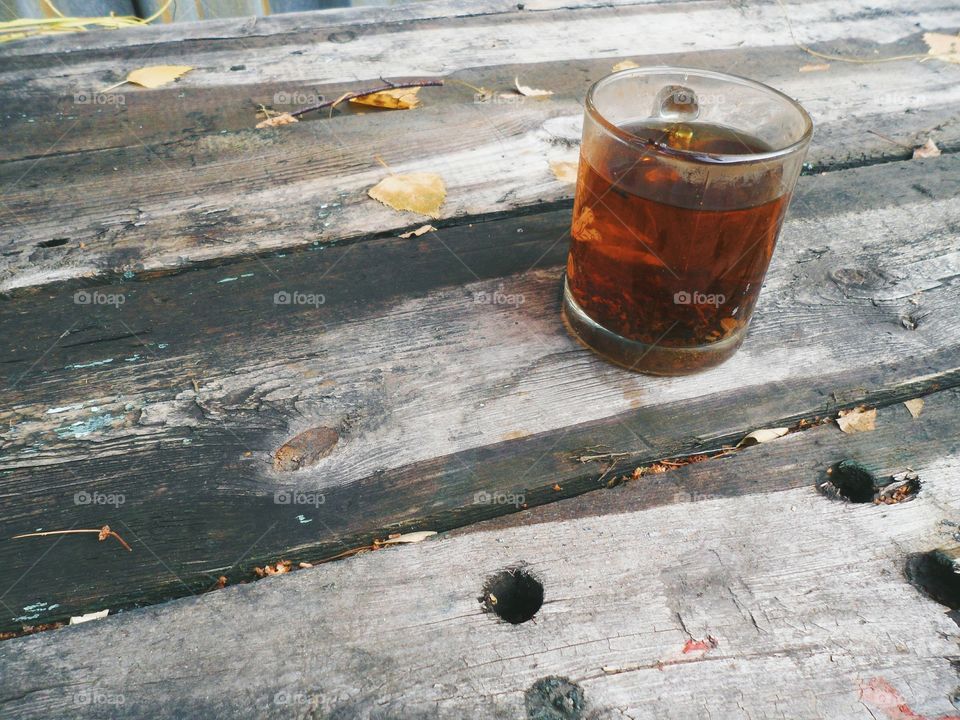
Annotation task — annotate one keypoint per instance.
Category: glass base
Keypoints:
(641, 357)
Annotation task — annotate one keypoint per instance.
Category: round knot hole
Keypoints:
(513, 595)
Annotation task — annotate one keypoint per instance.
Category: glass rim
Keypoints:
(691, 155)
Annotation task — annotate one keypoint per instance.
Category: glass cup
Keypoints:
(685, 176)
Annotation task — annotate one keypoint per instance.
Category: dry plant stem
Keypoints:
(98, 531)
(350, 96)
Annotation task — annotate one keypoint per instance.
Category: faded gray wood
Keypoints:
(143, 205)
(803, 597)
(435, 396)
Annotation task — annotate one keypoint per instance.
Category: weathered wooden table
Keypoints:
(152, 382)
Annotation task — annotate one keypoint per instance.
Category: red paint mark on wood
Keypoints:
(700, 645)
(886, 698)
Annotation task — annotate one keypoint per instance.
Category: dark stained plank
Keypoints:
(669, 597)
(433, 396)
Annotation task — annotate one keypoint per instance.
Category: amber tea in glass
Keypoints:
(684, 179)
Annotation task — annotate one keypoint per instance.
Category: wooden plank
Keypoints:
(132, 204)
(435, 396)
(774, 604)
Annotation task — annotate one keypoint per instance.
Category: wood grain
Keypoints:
(768, 605)
(436, 396)
(177, 176)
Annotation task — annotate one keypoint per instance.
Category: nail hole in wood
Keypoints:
(513, 595)
(934, 574)
(850, 481)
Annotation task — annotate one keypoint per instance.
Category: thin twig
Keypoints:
(103, 533)
(350, 96)
(890, 139)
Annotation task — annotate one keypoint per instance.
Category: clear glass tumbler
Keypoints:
(685, 176)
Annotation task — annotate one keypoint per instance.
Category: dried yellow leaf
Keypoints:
(857, 420)
(277, 120)
(417, 192)
(564, 171)
(943, 47)
(529, 91)
(816, 67)
(624, 65)
(157, 75)
(398, 99)
(928, 150)
(914, 406)
(422, 230)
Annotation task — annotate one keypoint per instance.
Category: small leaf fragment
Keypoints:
(814, 67)
(857, 420)
(914, 406)
(762, 436)
(96, 615)
(276, 121)
(396, 99)
(422, 230)
(417, 192)
(624, 65)
(943, 47)
(928, 150)
(157, 75)
(564, 171)
(413, 537)
(529, 91)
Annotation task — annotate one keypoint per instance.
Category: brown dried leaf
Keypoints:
(417, 192)
(564, 171)
(762, 436)
(857, 420)
(624, 65)
(422, 230)
(397, 99)
(943, 47)
(914, 406)
(277, 121)
(413, 537)
(928, 150)
(529, 91)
